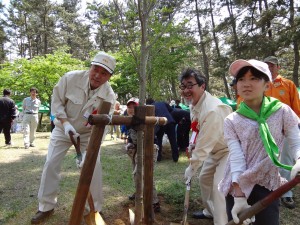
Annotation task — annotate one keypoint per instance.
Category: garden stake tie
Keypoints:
(266, 201)
(93, 218)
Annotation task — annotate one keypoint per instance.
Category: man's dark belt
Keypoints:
(30, 113)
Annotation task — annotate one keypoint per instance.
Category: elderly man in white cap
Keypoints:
(76, 96)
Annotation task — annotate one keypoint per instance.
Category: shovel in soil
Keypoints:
(186, 205)
(93, 218)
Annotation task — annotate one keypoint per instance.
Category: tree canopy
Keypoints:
(153, 41)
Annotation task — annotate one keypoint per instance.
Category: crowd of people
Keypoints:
(238, 157)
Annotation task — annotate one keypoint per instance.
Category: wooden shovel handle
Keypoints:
(186, 203)
(260, 205)
(75, 143)
(77, 148)
(91, 202)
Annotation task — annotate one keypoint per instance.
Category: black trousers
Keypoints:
(5, 125)
(183, 131)
(268, 216)
(168, 129)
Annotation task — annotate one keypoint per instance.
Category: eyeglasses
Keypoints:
(188, 86)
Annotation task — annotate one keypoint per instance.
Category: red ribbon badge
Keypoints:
(194, 125)
(195, 132)
(87, 124)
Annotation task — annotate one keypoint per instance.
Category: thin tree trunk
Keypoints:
(219, 60)
(296, 63)
(202, 47)
(233, 25)
(294, 43)
(143, 16)
(29, 38)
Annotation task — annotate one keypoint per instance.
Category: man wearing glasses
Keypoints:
(208, 149)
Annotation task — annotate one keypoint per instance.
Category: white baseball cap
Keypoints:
(106, 61)
(237, 65)
(134, 100)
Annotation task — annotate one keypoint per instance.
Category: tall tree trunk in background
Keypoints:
(294, 43)
(296, 63)
(45, 33)
(236, 45)
(29, 37)
(174, 85)
(219, 59)
(268, 22)
(202, 46)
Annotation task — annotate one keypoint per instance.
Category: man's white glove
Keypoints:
(296, 169)
(191, 147)
(68, 127)
(80, 160)
(189, 173)
(240, 204)
(130, 149)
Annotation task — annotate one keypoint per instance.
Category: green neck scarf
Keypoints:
(268, 107)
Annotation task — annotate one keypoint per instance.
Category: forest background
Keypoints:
(152, 40)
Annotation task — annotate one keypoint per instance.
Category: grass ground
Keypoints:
(20, 177)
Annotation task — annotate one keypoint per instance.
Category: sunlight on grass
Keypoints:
(21, 172)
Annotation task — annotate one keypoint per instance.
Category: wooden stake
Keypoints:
(88, 168)
(126, 120)
(148, 168)
(140, 113)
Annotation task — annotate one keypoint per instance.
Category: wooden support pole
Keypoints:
(148, 168)
(126, 120)
(140, 113)
(88, 167)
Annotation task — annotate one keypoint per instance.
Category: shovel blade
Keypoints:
(94, 218)
(131, 216)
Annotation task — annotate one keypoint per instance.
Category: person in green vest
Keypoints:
(255, 134)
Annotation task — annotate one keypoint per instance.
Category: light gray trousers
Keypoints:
(58, 147)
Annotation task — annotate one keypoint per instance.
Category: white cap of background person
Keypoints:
(237, 65)
(134, 100)
(106, 61)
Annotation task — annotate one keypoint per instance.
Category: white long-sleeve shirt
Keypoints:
(210, 113)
